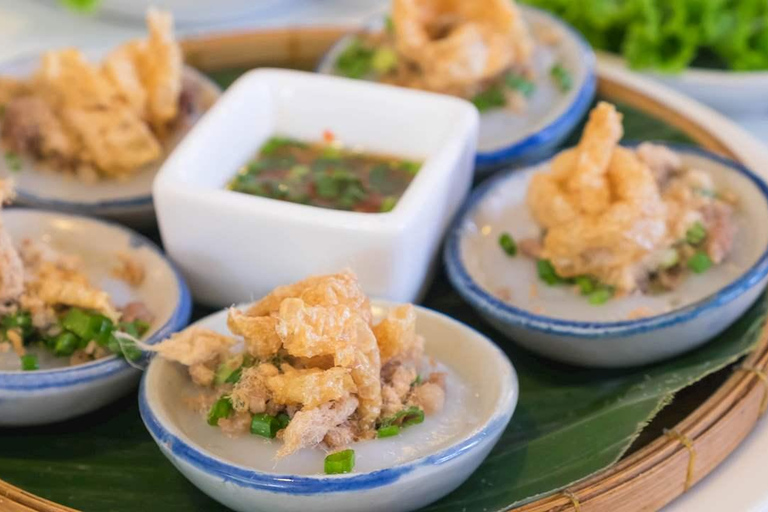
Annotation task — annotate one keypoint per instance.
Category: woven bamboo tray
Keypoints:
(650, 477)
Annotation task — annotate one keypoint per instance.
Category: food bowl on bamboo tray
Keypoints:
(411, 469)
(537, 116)
(63, 371)
(50, 165)
(592, 327)
(574, 441)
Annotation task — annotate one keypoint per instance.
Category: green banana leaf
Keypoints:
(569, 424)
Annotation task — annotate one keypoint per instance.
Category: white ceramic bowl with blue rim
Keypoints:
(128, 201)
(57, 392)
(510, 138)
(558, 323)
(422, 464)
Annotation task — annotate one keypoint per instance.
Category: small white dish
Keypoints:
(401, 473)
(560, 324)
(736, 93)
(126, 201)
(508, 138)
(56, 392)
(233, 247)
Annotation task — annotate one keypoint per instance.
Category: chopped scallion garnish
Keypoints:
(700, 262)
(518, 83)
(29, 363)
(600, 296)
(547, 273)
(13, 161)
(586, 284)
(264, 425)
(65, 344)
(490, 98)
(340, 462)
(508, 244)
(696, 234)
(562, 77)
(220, 410)
(388, 431)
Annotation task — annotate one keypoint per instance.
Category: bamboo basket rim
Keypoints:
(738, 401)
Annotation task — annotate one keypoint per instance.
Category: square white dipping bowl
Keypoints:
(233, 247)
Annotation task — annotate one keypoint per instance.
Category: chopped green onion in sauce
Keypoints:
(340, 462)
(325, 175)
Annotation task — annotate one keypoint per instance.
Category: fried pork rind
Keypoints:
(11, 88)
(122, 69)
(194, 345)
(310, 387)
(456, 44)
(106, 119)
(328, 290)
(396, 334)
(116, 140)
(308, 427)
(161, 69)
(11, 269)
(259, 333)
(31, 127)
(312, 331)
(57, 285)
(600, 205)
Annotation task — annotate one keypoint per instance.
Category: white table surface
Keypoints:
(28, 26)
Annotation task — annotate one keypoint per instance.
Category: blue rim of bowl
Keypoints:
(82, 374)
(560, 127)
(549, 134)
(304, 485)
(489, 305)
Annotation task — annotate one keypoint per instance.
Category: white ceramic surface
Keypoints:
(56, 393)
(233, 247)
(514, 138)
(402, 473)
(189, 12)
(732, 92)
(560, 324)
(127, 201)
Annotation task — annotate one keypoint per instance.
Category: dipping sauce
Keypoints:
(325, 175)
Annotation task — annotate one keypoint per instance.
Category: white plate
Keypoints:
(55, 393)
(402, 473)
(562, 325)
(736, 93)
(128, 201)
(512, 138)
